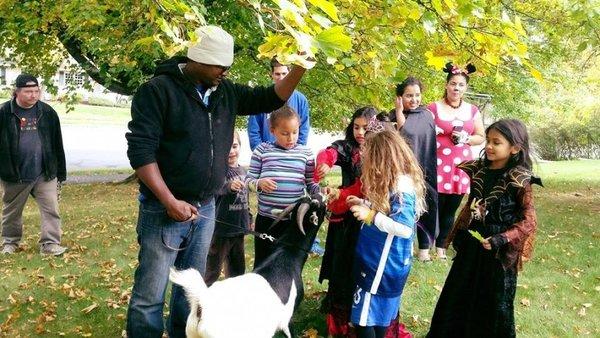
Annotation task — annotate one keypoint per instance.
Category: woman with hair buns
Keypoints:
(458, 127)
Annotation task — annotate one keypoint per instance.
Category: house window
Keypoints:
(74, 78)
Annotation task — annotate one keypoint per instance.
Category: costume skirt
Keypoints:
(477, 298)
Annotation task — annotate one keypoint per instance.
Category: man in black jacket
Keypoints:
(180, 135)
(32, 162)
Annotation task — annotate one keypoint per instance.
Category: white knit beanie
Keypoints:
(213, 47)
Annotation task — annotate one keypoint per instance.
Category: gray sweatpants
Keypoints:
(14, 198)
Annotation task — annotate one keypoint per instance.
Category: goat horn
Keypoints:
(302, 209)
(283, 214)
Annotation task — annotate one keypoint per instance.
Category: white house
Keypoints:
(67, 74)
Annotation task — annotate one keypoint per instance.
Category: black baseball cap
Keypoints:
(24, 80)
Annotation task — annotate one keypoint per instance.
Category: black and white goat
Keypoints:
(259, 303)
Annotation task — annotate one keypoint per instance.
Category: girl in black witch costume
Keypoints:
(478, 296)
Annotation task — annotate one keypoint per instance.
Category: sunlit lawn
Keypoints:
(85, 292)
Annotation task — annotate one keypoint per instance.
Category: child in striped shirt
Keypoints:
(279, 172)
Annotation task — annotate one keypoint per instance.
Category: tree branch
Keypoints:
(73, 47)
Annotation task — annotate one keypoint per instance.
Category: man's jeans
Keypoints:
(160, 238)
(14, 198)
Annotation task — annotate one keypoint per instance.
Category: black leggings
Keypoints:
(447, 205)
(370, 331)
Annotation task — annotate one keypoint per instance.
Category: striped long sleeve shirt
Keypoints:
(291, 169)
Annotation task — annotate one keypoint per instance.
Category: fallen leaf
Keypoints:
(525, 302)
(310, 333)
(90, 308)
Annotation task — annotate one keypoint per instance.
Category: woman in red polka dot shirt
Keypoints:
(458, 127)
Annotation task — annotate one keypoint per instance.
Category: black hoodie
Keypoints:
(190, 142)
(53, 153)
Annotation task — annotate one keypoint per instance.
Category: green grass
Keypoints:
(95, 115)
(101, 171)
(88, 114)
(85, 292)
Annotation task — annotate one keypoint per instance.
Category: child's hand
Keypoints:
(236, 185)
(353, 200)
(267, 185)
(362, 213)
(486, 244)
(400, 118)
(323, 170)
(332, 193)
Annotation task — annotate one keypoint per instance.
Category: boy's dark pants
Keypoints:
(228, 251)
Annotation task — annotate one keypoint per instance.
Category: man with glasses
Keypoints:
(180, 135)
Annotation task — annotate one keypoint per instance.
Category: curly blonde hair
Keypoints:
(386, 157)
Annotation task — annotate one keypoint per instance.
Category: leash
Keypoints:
(193, 226)
(261, 235)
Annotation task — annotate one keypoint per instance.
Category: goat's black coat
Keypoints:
(286, 263)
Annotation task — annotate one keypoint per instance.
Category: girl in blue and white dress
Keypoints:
(394, 188)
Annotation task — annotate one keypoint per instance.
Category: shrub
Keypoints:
(122, 102)
(567, 138)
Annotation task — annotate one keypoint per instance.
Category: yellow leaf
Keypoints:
(536, 74)
(327, 7)
(339, 67)
(519, 26)
(479, 37)
(450, 4)
(415, 13)
(437, 5)
(435, 61)
(147, 41)
(310, 333)
(510, 33)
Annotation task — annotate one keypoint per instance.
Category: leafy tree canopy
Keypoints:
(363, 47)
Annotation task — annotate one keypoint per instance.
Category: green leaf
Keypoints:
(334, 40)
(477, 235)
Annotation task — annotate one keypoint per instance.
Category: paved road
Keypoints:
(94, 147)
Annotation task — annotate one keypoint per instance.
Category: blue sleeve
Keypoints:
(402, 209)
(401, 219)
(254, 131)
(304, 113)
